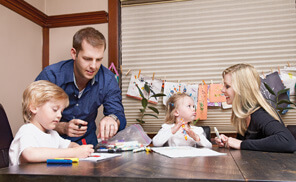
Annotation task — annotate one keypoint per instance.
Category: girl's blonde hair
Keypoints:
(171, 106)
(40, 92)
(245, 82)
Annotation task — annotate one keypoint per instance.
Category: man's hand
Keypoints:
(108, 127)
(73, 128)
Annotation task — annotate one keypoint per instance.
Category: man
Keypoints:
(89, 85)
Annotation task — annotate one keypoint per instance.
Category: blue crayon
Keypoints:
(59, 161)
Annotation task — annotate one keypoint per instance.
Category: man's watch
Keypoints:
(113, 116)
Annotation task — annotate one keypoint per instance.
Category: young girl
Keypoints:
(258, 125)
(176, 131)
(36, 141)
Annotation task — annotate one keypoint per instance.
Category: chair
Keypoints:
(5, 138)
(292, 129)
(207, 130)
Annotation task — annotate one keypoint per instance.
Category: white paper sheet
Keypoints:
(186, 151)
(100, 156)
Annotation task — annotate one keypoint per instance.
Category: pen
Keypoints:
(217, 132)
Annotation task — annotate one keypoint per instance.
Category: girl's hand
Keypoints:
(191, 133)
(222, 141)
(177, 126)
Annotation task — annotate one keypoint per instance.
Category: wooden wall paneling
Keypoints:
(113, 33)
(77, 19)
(114, 27)
(45, 47)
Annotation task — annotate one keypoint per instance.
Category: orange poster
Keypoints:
(202, 103)
(216, 94)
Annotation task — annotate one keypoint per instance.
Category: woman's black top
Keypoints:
(267, 134)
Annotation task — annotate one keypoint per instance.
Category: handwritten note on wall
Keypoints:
(155, 86)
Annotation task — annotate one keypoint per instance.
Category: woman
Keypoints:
(258, 125)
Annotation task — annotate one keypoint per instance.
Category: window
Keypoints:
(191, 41)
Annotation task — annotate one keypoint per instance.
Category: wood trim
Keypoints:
(26, 10)
(145, 2)
(77, 19)
(45, 47)
(113, 33)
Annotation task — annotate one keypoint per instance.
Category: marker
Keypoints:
(217, 132)
(59, 161)
(83, 141)
(74, 160)
(139, 149)
(109, 150)
(95, 156)
(79, 126)
(148, 149)
(184, 131)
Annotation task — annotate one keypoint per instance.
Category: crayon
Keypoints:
(74, 160)
(59, 161)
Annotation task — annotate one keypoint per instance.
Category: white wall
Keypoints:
(39, 4)
(21, 56)
(21, 48)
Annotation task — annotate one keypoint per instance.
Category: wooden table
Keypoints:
(235, 166)
(269, 166)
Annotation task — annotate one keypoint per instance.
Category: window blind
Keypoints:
(191, 41)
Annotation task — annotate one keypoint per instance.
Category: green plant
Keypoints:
(278, 101)
(195, 121)
(145, 103)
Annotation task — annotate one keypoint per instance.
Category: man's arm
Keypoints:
(114, 119)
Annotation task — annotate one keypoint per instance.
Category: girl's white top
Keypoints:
(166, 137)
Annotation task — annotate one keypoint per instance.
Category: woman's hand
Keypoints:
(228, 142)
(221, 141)
(233, 143)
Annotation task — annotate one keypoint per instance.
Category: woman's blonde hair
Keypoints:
(245, 82)
(171, 106)
(40, 92)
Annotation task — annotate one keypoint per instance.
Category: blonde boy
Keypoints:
(36, 141)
